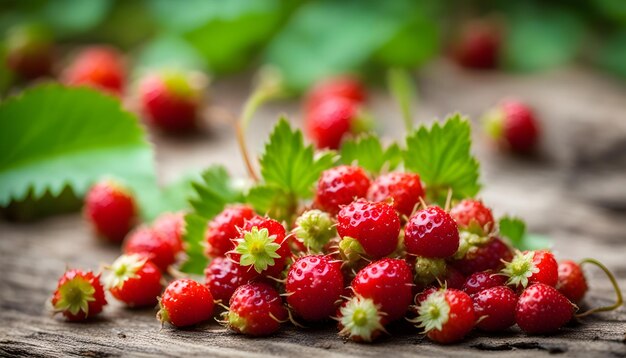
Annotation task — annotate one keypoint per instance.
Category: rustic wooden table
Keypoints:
(574, 192)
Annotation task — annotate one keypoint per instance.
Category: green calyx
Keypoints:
(428, 270)
(124, 268)
(350, 249)
(468, 241)
(314, 228)
(433, 312)
(520, 269)
(75, 296)
(179, 83)
(360, 318)
(493, 122)
(257, 248)
(236, 322)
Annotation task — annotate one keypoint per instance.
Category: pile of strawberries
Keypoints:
(366, 253)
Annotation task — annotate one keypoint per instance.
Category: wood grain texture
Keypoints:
(575, 192)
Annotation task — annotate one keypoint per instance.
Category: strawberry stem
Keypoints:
(402, 90)
(611, 277)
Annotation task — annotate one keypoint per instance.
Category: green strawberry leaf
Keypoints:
(514, 229)
(272, 201)
(211, 193)
(367, 152)
(441, 156)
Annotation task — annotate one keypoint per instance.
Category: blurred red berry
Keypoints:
(111, 210)
(101, 67)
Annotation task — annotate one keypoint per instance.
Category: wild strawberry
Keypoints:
(482, 280)
(572, 282)
(542, 309)
(472, 215)
(223, 229)
(403, 191)
(111, 210)
(453, 278)
(389, 283)
(376, 227)
(255, 310)
(532, 267)
(431, 232)
(423, 294)
(184, 303)
(495, 308)
(488, 256)
(148, 243)
(345, 87)
(446, 315)
(314, 229)
(360, 319)
(330, 121)
(29, 51)
(223, 276)
(339, 186)
(134, 280)
(101, 67)
(79, 295)
(478, 46)
(262, 245)
(171, 227)
(171, 100)
(514, 125)
(427, 270)
(314, 285)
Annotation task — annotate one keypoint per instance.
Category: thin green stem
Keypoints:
(611, 277)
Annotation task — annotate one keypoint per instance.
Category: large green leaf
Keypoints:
(367, 152)
(52, 137)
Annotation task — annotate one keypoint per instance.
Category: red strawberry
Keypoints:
(514, 125)
(134, 280)
(29, 51)
(223, 229)
(431, 232)
(489, 256)
(403, 190)
(171, 100)
(389, 283)
(314, 285)
(101, 67)
(532, 267)
(453, 278)
(423, 295)
(572, 282)
(542, 309)
(478, 45)
(339, 186)
(223, 276)
(148, 243)
(111, 210)
(376, 226)
(495, 308)
(314, 229)
(255, 310)
(345, 87)
(79, 295)
(446, 315)
(262, 246)
(327, 123)
(171, 227)
(184, 303)
(472, 215)
(360, 319)
(482, 280)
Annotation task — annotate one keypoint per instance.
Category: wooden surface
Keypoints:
(575, 192)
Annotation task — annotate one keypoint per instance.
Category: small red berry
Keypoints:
(255, 310)
(171, 100)
(111, 210)
(330, 121)
(472, 215)
(339, 186)
(171, 227)
(423, 295)
(431, 232)
(184, 303)
(223, 276)
(482, 280)
(532, 267)
(79, 295)
(360, 319)
(376, 226)
(572, 282)
(389, 283)
(345, 87)
(446, 315)
(542, 309)
(514, 125)
(489, 256)
(478, 45)
(148, 243)
(495, 308)
(134, 280)
(403, 191)
(30, 51)
(223, 229)
(101, 67)
(314, 286)
(453, 278)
